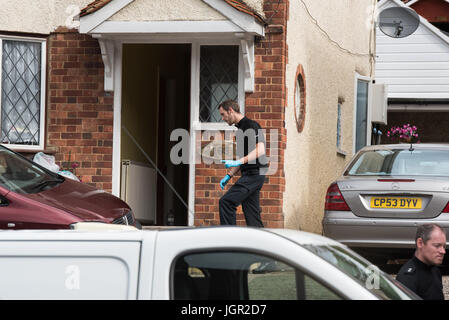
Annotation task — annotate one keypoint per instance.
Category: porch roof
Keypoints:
(237, 4)
(137, 20)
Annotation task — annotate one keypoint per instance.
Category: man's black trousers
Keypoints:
(246, 191)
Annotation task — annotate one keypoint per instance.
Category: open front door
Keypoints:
(156, 101)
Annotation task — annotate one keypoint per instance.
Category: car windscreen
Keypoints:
(21, 175)
(423, 162)
(368, 275)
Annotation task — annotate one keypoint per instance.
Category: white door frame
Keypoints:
(195, 125)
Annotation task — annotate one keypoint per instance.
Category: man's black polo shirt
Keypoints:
(422, 279)
(250, 133)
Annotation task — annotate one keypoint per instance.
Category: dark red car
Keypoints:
(32, 197)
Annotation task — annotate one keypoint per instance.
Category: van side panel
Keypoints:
(69, 269)
(149, 239)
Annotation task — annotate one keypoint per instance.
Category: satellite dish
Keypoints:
(398, 22)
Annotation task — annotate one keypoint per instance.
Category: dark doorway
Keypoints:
(156, 101)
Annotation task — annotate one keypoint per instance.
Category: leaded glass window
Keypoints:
(21, 92)
(218, 79)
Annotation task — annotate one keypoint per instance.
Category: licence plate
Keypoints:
(396, 203)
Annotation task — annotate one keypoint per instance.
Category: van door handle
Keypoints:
(11, 225)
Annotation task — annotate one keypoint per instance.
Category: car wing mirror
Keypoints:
(3, 201)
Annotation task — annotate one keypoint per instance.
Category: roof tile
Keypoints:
(93, 6)
(241, 6)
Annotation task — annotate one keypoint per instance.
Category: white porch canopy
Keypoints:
(137, 20)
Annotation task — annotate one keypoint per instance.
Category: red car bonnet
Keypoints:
(82, 201)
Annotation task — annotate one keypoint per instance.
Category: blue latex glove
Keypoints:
(231, 163)
(224, 181)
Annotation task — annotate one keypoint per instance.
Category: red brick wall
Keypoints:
(79, 112)
(80, 115)
(266, 105)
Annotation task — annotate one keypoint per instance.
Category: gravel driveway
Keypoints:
(446, 287)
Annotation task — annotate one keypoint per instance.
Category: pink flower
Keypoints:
(405, 131)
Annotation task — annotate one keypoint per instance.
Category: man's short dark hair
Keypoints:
(229, 104)
(424, 231)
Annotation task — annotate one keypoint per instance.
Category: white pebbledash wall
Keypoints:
(44, 16)
(311, 158)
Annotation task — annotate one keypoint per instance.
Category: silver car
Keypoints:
(384, 194)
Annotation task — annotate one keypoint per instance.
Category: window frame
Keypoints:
(195, 80)
(358, 77)
(339, 132)
(43, 43)
(339, 118)
(300, 93)
(272, 256)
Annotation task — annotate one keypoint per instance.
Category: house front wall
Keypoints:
(79, 111)
(81, 115)
(41, 17)
(328, 47)
(266, 104)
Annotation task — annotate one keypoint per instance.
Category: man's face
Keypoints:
(434, 249)
(227, 116)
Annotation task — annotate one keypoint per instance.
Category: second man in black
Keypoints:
(421, 274)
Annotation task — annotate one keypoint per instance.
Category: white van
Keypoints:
(186, 263)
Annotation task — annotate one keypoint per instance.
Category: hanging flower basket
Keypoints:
(404, 134)
(405, 140)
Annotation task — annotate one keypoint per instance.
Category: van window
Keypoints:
(243, 276)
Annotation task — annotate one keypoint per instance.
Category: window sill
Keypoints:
(341, 153)
(221, 126)
(33, 151)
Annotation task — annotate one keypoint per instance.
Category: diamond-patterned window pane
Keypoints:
(20, 96)
(218, 79)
